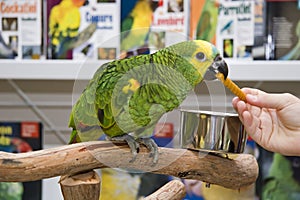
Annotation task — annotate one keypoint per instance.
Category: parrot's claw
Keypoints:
(133, 145)
(152, 147)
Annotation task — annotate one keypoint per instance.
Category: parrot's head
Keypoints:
(207, 60)
(203, 56)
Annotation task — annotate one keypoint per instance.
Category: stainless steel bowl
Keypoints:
(216, 131)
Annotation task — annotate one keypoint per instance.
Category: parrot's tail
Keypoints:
(89, 133)
(74, 137)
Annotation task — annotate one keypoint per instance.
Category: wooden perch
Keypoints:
(84, 186)
(174, 190)
(234, 171)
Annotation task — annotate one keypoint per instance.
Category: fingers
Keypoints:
(235, 100)
(266, 100)
(252, 91)
(249, 115)
(241, 106)
(252, 126)
(249, 92)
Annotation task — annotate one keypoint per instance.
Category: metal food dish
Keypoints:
(216, 131)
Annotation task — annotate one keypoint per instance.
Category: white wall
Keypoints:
(51, 189)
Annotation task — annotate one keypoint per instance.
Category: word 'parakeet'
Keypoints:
(126, 98)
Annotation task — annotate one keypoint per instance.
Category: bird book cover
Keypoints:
(21, 29)
(235, 29)
(204, 19)
(149, 25)
(83, 29)
(20, 137)
(283, 30)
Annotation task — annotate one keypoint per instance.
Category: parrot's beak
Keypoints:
(218, 66)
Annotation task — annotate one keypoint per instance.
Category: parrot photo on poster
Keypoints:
(135, 27)
(126, 98)
(64, 23)
(207, 24)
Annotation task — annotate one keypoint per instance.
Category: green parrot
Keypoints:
(126, 97)
(207, 24)
(283, 179)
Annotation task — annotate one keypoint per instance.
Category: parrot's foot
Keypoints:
(134, 146)
(152, 147)
(132, 143)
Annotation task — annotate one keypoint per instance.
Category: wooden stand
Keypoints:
(232, 171)
(174, 190)
(84, 186)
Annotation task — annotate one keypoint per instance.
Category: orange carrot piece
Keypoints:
(232, 86)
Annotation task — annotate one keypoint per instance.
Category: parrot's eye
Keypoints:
(200, 56)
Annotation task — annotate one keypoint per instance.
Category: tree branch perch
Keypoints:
(234, 171)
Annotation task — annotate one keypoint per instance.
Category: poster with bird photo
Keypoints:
(83, 29)
(203, 19)
(20, 137)
(149, 25)
(235, 29)
(20, 29)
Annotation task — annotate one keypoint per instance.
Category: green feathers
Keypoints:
(131, 95)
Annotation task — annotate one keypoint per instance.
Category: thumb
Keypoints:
(266, 100)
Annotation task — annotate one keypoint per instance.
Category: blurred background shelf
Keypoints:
(84, 70)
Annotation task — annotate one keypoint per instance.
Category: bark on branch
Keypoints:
(228, 170)
(173, 190)
(85, 186)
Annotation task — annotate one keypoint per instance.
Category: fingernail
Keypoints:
(251, 97)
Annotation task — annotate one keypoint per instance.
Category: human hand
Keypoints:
(272, 120)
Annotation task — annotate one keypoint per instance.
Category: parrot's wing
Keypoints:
(111, 98)
(85, 104)
(83, 118)
(142, 107)
(149, 103)
(105, 87)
